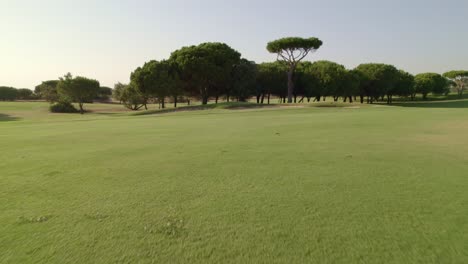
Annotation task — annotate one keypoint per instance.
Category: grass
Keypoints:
(375, 184)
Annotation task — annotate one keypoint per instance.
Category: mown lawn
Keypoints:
(308, 185)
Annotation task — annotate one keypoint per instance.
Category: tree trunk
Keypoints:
(205, 100)
(162, 103)
(175, 101)
(290, 84)
(263, 99)
(258, 98)
(268, 98)
(216, 99)
(362, 99)
(81, 108)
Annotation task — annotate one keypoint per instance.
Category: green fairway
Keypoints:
(360, 184)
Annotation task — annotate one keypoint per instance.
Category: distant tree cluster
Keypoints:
(215, 71)
(66, 90)
(13, 94)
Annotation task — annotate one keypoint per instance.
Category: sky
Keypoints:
(107, 39)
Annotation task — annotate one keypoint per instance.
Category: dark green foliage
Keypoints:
(459, 80)
(426, 83)
(352, 84)
(157, 80)
(79, 89)
(25, 94)
(324, 78)
(294, 44)
(377, 80)
(456, 74)
(118, 91)
(243, 77)
(47, 90)
(205, 69)
(131, 97)
(405, 85)
(292, 51)
(271, 80)
(104, 94)
(8, 93)
(63, 107)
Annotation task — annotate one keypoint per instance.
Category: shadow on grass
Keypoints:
(434, 104)
(6, 118)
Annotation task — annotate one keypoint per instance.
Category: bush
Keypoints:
(63, 107)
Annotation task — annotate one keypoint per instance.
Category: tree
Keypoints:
(350, 89)
(8, 93)
(426, 83)
(47, 90)
(328, 78)
(271, 80)
(131, 97)
(118, 91)
(104, 94)
(205, 69)
(243, 77)
(25, 94)
(404, 86)
(292, 50)
(460, 80)
(377, 80)
(157, 79)
(79, 89)
(139, 81)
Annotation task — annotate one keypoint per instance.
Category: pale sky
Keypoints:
(107, 39)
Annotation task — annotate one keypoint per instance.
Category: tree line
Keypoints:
(215, 71)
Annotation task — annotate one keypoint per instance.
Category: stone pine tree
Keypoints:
(293, 50)
(460, 79)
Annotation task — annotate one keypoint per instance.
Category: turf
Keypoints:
(308, 185)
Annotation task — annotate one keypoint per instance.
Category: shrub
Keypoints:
(63, 107)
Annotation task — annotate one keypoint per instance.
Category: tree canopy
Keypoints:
(426, 83)
(47, 90)
(377, 80)
(206, 68)
(293, 50)
(459, 79)
(8, 93)
(79, 89)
